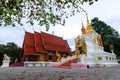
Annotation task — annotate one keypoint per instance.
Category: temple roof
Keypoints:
(43, 42)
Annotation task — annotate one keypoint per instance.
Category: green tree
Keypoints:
(12, 50)
(45, 12)
(109, 35)
(2, 51)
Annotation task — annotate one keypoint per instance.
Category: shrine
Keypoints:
(6, 61)
(44, 47)
(89, 48)
(89, 51)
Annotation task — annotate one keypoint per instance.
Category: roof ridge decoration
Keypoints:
(33, 28)
(24, 29)
(51, 34)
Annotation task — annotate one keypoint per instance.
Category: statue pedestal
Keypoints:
(5, 63)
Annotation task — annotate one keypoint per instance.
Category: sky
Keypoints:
(106, 10)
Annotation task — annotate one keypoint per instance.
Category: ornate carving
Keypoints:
(59, 58)
(111, 48)
(81, 47)
(99, 41)
(99, 58)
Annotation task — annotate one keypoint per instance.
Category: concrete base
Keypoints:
(5, 63)
(103, 65)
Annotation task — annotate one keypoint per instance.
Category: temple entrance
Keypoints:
(50, 57)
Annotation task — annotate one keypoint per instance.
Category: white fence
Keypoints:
(27, 64)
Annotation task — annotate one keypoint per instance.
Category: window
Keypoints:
(50, 57)
(113, 59)
(32, 58)
(110, 58)
(106, 58)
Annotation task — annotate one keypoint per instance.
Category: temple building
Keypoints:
(44, 47)
(89, 50)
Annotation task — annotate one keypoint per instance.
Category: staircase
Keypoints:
(67, 62)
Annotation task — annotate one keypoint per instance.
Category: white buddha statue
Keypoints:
(6, 61)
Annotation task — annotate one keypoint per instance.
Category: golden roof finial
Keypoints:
(82, 29)
(82, 24)
(89, 27)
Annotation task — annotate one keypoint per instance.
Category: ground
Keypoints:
(49, 73)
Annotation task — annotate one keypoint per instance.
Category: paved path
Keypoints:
(48, 73)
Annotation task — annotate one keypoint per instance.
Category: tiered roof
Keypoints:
(43, 42)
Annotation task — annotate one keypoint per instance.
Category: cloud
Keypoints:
(11, 34)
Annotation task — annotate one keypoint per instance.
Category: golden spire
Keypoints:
(83, 29)
(88, 22)
(89, 29)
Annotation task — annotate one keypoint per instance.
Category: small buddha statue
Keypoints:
(6, 57)
(111, 48)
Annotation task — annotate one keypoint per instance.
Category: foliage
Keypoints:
(45, 12)
(109, 35)
(12, 50)
(2, 51)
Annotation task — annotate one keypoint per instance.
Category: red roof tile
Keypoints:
(67, 46)
(29, 39)
(39, 42)
(51, 39)
(42, 42)
(52, 42)
(29, 50)
(28, 44)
